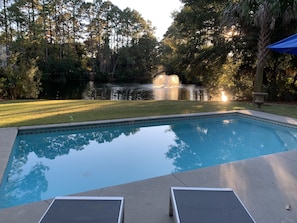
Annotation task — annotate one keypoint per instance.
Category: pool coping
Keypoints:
(7, 137)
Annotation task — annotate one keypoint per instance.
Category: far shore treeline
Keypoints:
(220, 45)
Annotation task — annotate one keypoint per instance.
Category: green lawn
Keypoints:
(37, 112)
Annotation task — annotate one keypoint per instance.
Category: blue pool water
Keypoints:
(64, 161)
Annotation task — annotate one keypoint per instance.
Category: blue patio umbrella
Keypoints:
(287, 45)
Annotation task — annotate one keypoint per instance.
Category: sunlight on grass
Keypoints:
(40, 112)
(11, 114)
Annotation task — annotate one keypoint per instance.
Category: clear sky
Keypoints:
(157, 11)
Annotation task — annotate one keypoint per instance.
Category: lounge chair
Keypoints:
(70, 209)
(207, 205)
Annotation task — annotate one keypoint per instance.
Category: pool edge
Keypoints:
(8, 135)
(7, 139)
(253, 113)
(32, 212)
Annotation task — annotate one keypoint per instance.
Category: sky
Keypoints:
(157, 11)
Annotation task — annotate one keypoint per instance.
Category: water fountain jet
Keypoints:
(166, 81)
(166, 87)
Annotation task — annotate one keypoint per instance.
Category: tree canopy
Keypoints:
(219, 44)
(222, 45)
(73, 40)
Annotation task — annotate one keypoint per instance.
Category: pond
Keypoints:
(144, 92)
(162, 88)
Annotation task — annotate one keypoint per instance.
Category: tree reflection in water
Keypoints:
(203, 144)
(107, 157)
(18, 185)
(22, 188)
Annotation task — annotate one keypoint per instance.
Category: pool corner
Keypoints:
(7, 138)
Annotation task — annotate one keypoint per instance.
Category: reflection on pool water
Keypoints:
(47, 164)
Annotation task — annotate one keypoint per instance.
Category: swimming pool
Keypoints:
(51, 162)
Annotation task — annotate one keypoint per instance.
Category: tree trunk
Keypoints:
(264, 39)
(258, 87)
(45, 34)
(6, 31)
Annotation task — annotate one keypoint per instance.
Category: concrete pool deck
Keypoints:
(266, 185)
